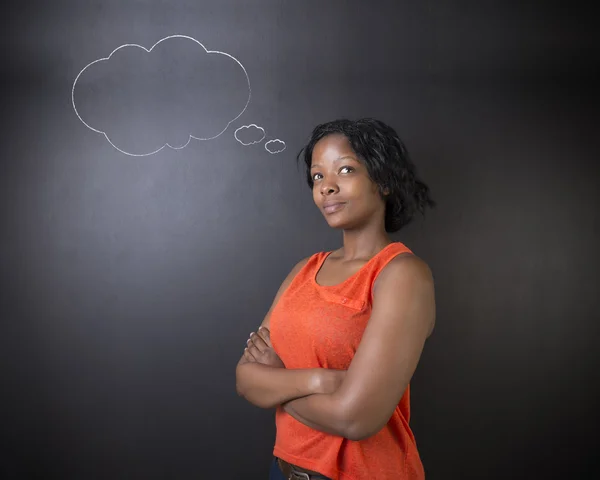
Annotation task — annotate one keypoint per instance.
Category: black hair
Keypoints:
(388, 163)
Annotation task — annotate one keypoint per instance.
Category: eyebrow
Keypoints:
(345, 157)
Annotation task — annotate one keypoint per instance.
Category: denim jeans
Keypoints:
(275, 473)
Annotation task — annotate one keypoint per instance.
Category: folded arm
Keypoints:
(261, 376)
(268, 387)
(403, 317)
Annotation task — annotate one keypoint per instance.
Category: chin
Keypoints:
(337, 226)
(339, 223)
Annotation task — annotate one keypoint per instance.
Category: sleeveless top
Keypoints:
(315, 326)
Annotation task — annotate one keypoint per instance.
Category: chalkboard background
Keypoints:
(130, 281)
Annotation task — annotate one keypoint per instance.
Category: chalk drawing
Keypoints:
(162, 73)
(249, 134)
(275, 146)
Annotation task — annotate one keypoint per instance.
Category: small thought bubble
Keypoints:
(249, 134)
(275, 146)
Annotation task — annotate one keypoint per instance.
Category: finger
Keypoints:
(255, 352)
(248, 356)
(265, 335)
(258, 342)
(250, 342)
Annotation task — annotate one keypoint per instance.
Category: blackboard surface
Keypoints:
(151, 207)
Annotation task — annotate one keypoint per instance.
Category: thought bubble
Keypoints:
(143, 100)
(249, 134)
(275, 146)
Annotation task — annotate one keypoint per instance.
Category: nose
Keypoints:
(328, 187)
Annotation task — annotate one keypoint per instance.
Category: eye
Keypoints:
(316, 176)
(347, 168)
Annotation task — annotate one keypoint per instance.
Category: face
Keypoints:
(342, 188)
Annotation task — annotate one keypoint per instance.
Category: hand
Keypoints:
(260, 350)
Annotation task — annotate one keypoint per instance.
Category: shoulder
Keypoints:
(315, 257)
(301, 264)
(294, 271)
(402, 270)
(406, 284)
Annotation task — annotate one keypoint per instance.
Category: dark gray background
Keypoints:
(130, 284)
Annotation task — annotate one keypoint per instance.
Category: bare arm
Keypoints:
(267, 386)
(402, 318)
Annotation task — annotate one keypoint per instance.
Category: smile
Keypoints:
(333, 207)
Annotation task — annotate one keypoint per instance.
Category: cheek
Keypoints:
(367, 192)
(357, 188)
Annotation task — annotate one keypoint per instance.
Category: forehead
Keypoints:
(331, 148)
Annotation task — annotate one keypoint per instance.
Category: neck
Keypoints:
(363, 244)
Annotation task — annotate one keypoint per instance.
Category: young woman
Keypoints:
(338, 347)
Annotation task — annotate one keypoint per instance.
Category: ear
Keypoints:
(385, 191)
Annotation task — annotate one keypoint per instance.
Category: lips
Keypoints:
(332, 207)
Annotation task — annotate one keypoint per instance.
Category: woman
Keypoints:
(338, 347)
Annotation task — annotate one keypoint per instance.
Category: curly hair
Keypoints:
(388, 163)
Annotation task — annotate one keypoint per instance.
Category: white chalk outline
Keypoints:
(273, 141)
(148, 51)
(248, 126)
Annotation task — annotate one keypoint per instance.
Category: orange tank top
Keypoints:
(314, 326)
